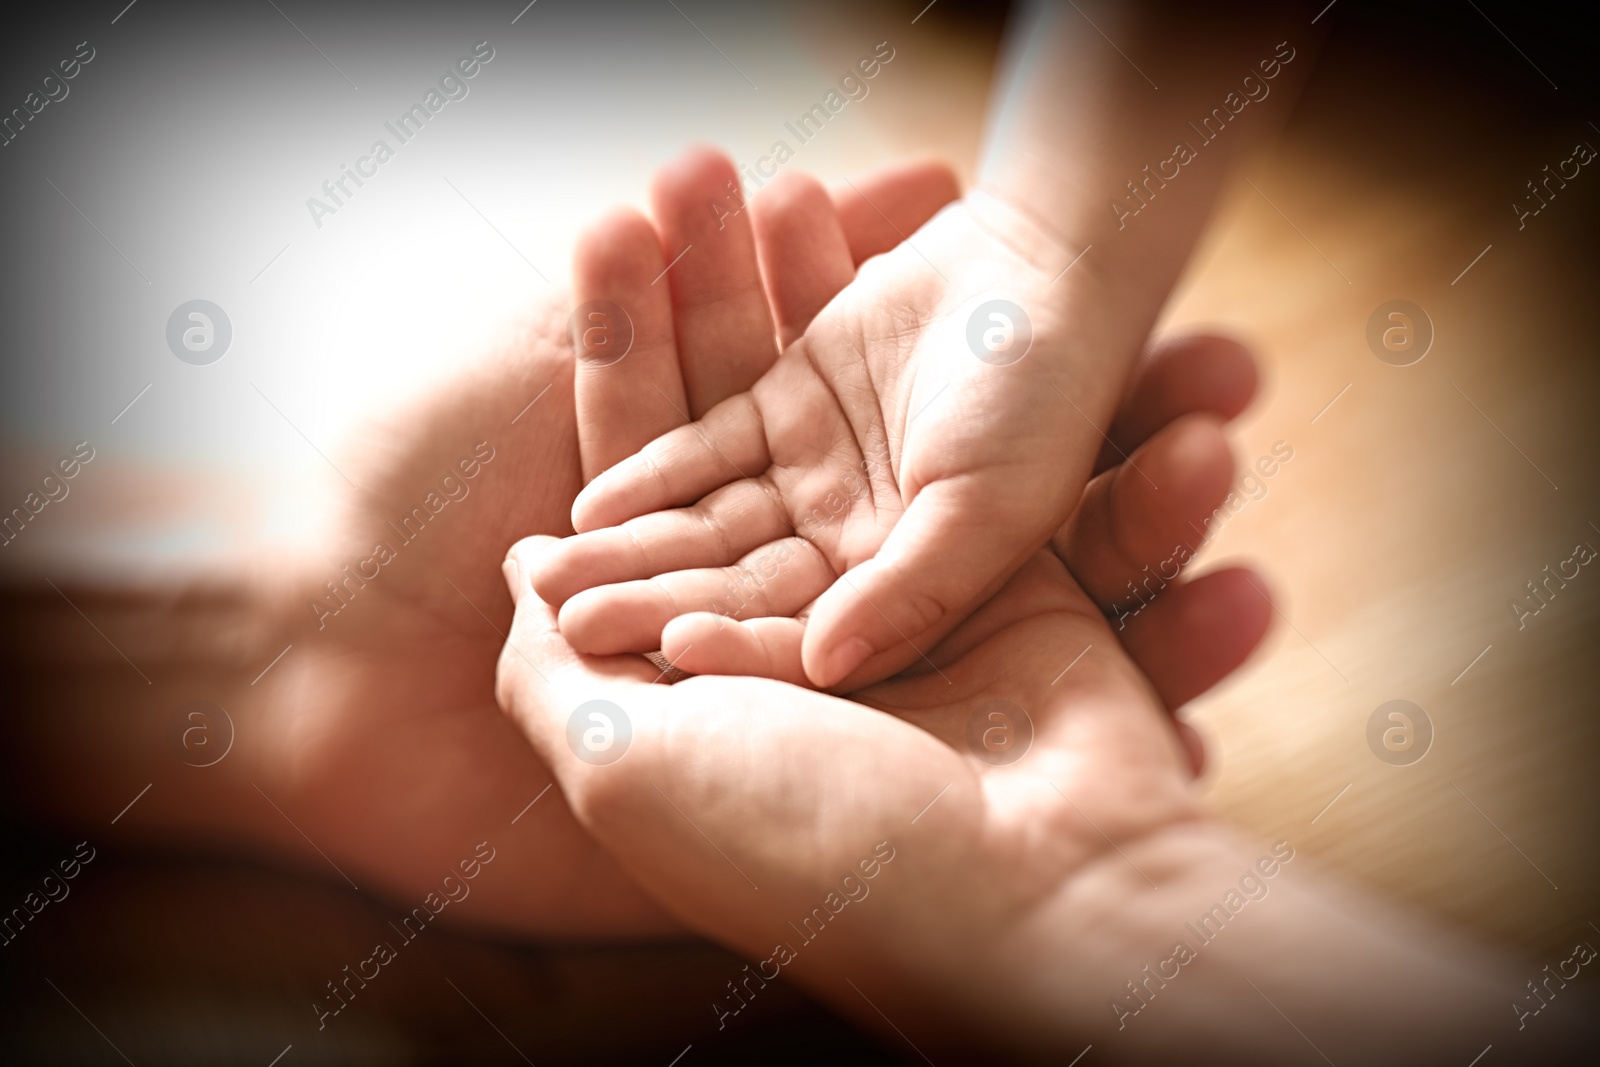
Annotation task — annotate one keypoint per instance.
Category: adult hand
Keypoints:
(978, 462)
(1016, 796)
(745, 804)
(373, 744)
(934, 425)
(795, 782)
(906, 471)
(1016, 806)
(395, 759)
(722, 302)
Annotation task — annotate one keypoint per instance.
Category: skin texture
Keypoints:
(402, 698)
(748, 728)
(390, 752)
(805, 256)
(918, 442)
(373, 750)
(726, 536)
(707, 739)
(1015, 801)
(372, 753)
(749, 804)
(875, 407)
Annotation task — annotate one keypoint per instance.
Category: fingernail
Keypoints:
(512, 574)
(842, 661)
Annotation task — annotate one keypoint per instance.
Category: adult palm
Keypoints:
(749, 806)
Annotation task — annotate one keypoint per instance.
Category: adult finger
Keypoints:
(880, 210)
(724, 332)
(628, 387)
(1138, 524)
(1197, 633)
(810, 241)
(1179, 376)
(805, 259)
(540, 680)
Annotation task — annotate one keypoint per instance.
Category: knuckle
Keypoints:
(663, 589)
(923, 610)
(717, 537)
(654, 472)
(505, 680)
